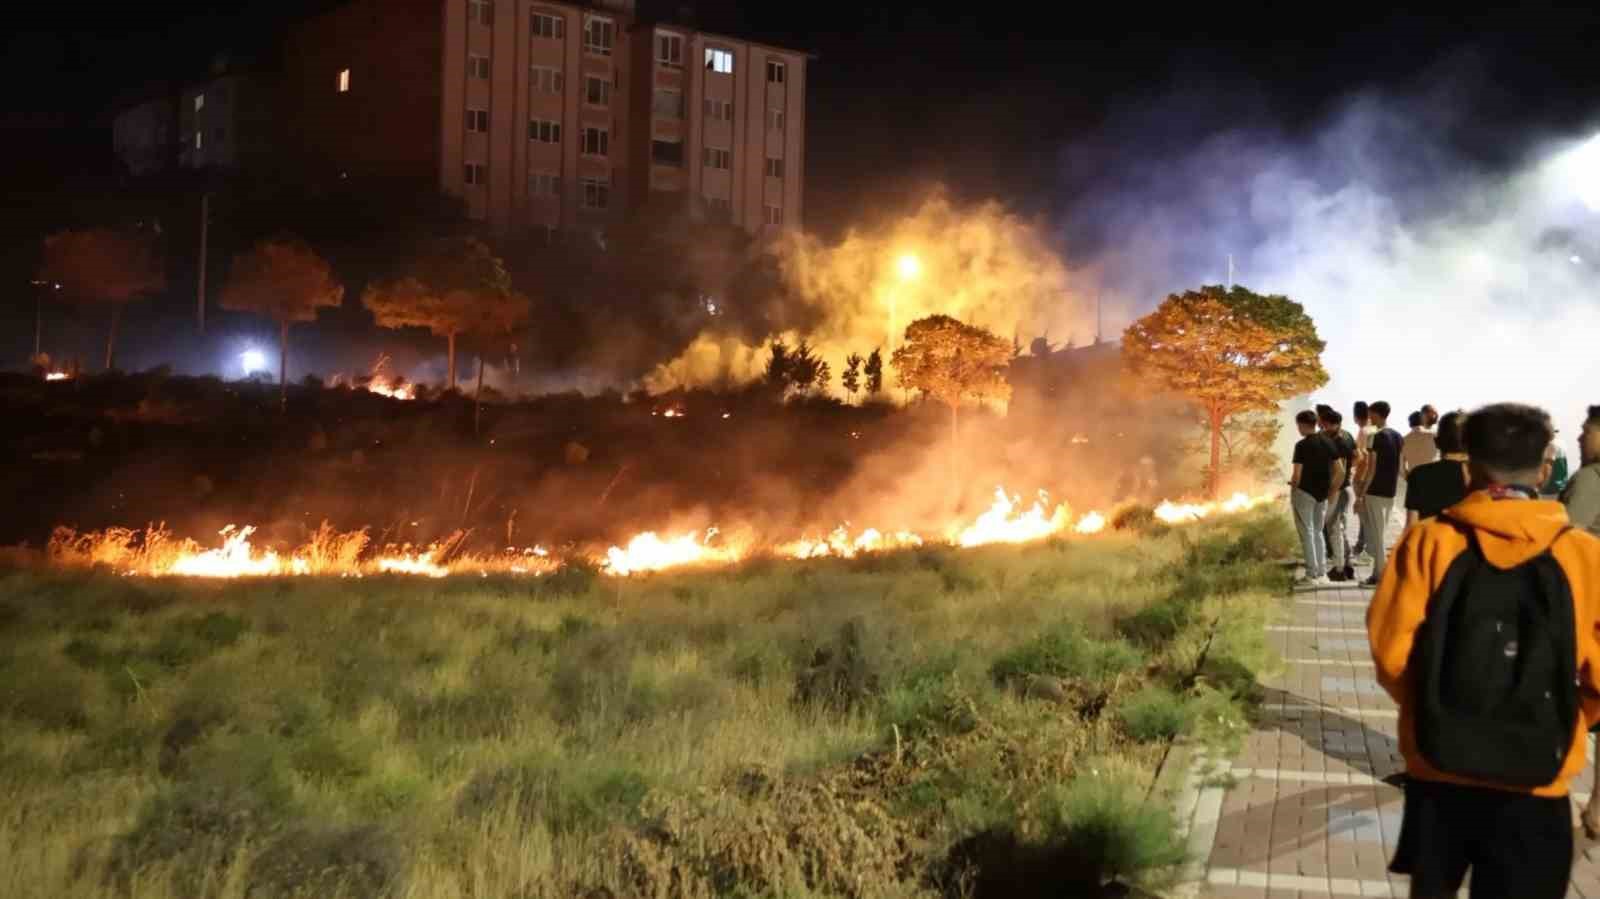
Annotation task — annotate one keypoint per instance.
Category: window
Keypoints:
(774, 215)
(774, 168)
(548, 26)
(545, 80)
(719, 61)
(475, 173)
(775, 119)
(721, 110)
(596, 142)
(344, 81)
(200, 100)
(544, 131)
(478, 120)
(775, 72)
(596, 193)
(669, 49)
(197, 136)
(544, 184)
(596, 91)
(597, 35)
(667, 104)
(667, 152)
(718, 209)
(477, 67)
(480, 11)
(718, 158)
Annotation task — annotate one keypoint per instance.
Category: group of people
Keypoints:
(1484, 627)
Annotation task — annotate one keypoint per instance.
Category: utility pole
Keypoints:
(205, 223)
(1230, 271)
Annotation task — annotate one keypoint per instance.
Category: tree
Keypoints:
(874, 372)
(799, 368)
(949, 360)
(850, 379)
(285, 280)
(778, 365)
(1229, 352)
(455, 286)
(103, 265)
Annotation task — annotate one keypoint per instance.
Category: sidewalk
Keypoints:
(1303, 809)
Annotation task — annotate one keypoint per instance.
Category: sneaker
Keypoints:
(1349, 572)
(1337, 576)
(1370, 582)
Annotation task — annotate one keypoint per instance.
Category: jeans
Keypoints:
(1335, 532)
(1375, 520)
(1308, 513)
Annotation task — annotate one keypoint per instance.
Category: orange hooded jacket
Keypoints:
(1510, 532)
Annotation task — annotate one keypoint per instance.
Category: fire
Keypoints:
(57, 376)
(1092, 523)
(395, 389)
(235, 558)
(419, 564)
(839, 544)
(1000, 525)
(649, 552)
(1182, 513)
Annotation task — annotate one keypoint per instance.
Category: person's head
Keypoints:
(1360, 411)
(1506, 444)
(1378, 413)
(1449, 436)
(1306, 421)
(1329, 419)
(1589, 437)
(1415, 419)
(1430, 416)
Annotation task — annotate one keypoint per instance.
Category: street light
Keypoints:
(909, 267)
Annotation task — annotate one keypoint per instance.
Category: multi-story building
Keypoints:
(224, 120)
(551, 115)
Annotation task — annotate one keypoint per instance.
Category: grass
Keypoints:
(833, 728)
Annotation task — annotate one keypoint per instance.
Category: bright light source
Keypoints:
(252, 361)
(1576, 259)
(909, 266)
(344, 81)
(1585, 162)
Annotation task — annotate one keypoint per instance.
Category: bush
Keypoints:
(1065, 652)
(1155, 714)
(1156, 624)
(1107, 825)
(354, 861)
(565, 797)
(840, 676)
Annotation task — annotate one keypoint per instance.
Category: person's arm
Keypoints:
(1338, 479)
(1294, 476)
(1583, 500)
(1398, 607)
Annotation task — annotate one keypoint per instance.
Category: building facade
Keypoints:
(550, 115)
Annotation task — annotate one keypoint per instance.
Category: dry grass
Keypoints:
(830, 728)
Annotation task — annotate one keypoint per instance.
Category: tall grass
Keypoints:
(826, 728)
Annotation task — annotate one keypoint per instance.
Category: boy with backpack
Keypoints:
(1484, 629)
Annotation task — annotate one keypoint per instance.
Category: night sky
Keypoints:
(989, 105)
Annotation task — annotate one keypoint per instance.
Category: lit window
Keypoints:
(475, 173)
(598, 34)
(596, 91)
(197, 136)
(478, 120)
(774, 168)
(669, 49)
(596, 193)
(544, 131)
(199, 102)
(480, 11)
(775, 72)
(477, 67)
(667, 152)
(774, 215)
(544, 80)
(775, 119)
(344, 81)
(667, 104)
(544, 184)
(717, 158)
(544, 25)
(596, 142)
(719, 61)
(721, 110)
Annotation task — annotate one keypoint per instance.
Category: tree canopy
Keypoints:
(949, 360)
(286, 281)
(104, 265)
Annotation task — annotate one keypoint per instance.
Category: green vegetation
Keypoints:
(913, 724)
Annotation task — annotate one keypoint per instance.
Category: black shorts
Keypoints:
(1518, 846)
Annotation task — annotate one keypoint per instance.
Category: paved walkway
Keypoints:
(1303, 810)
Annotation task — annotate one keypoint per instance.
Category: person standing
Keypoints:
(1430, 416)
(1334, 528)
(1315, 472)
(1436, 486)
(1582, 494)
(1375, 498)
(1363, 425)
(1419, 447)
(1556, 458)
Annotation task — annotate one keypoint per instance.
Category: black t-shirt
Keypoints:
(1385, 450)
(1435, 486)
(1344, 449)
(1315, 455)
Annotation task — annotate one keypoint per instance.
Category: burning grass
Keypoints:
(906, 723)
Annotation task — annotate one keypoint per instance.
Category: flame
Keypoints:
(57, 376)
(1000, 525)
(395, 389)
(1092, 523)
(235, 558)
(649, 552)
(839, 544)
(418, 564)
(1183, 513)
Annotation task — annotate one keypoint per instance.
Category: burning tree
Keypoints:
(285, 280)
(455, 286)
(949, 360)
(1229, 352)
(103, 265)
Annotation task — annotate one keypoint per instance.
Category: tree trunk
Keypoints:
(111, 336)
(283, 364)
(452, 360)
(477, 398)
(1214, 476)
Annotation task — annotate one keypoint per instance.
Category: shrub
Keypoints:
(565, 797)
(307, 862)
(1107, 825)
(840, 676)
(1066, 652)
(1157, 623)
(1155, 714)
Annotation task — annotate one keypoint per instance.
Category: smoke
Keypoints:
(1434, 276)
(981, 264)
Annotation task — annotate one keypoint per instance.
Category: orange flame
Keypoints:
(1092, 523)
(839, 544)
(57, 376)
(1003, 524)
(1183, 513)
(649, 552)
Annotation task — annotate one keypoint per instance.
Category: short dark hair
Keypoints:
(1329, 415)
(1415, 419)
(1380, 409)
(1306, 417)
(1428, 407)
(1449, 437)
(1361, 408)
(1594, 415)
(1508, 440)
(1323, 409)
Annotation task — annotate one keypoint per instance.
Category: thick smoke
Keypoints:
(1433, 276)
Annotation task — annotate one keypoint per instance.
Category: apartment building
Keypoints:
(550, 115)
(224, 119)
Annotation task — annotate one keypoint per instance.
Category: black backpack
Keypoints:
(1494, 669)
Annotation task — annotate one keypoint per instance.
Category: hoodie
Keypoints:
(1510, 532)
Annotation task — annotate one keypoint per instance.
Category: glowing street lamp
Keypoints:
(252, 361)
(909, 268)
(1586, 173)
